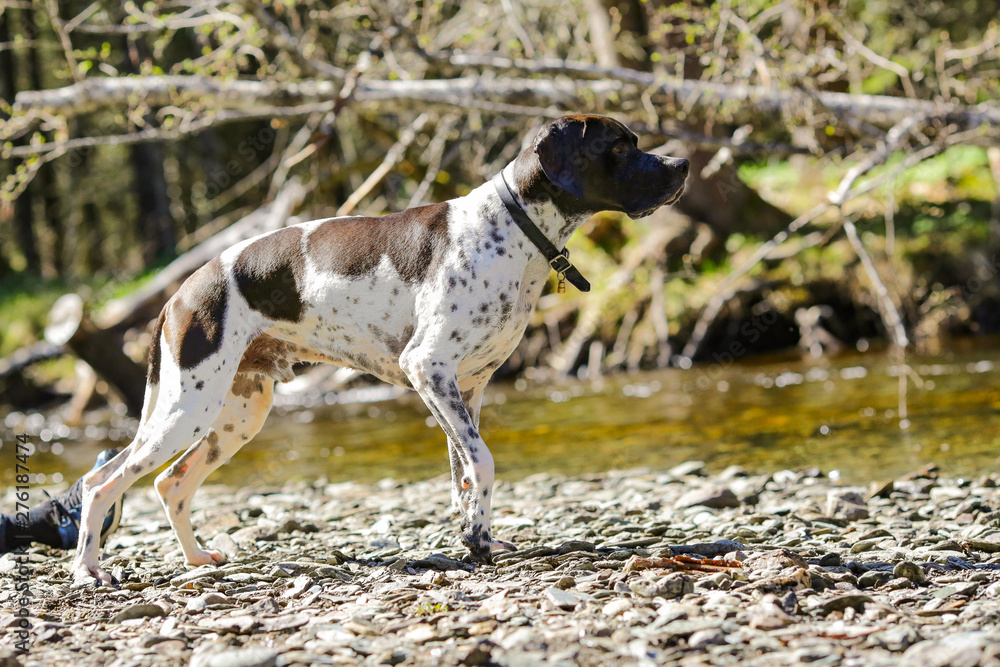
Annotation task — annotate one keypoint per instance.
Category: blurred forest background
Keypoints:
(844, 184)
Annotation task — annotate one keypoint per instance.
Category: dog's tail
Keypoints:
(153, 373)
(153, 370)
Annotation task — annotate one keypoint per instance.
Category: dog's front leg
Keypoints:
(437, 384)
(472, 395)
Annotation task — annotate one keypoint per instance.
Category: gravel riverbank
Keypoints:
(902, 572)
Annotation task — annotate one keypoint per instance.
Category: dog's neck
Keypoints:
(539, 198)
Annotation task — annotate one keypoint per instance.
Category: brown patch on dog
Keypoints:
(247, 385)
(194, 316)
(228, 428)
(153, 372)
(411, 239)
(213, 453)
(268, 356)
(273, 357)
(268, 274)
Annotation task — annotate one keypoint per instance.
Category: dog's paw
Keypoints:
(500, 545)
(479, 546)
(202, 557)
(85, 576)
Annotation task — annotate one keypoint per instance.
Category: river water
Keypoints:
(762, 414)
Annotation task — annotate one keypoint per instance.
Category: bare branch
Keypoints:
(705, 97)
(393, 156)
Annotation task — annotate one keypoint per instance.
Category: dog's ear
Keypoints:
(559, 148)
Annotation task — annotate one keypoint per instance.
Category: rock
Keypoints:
(240, 624)
(714, 497)
(477, 655)
(561, 598)
(963, 589)
(671, 586)
(298, 587)
(863, 545)
(910, 571)
(830, 560)
(688, 628)
(616, 607)
(880, 489)
(203, 572)
(847, 505)
(224, 543)
(773, 560)
(139, 611)
(702, 639)
(842, 602)
(796, 578)
(769, 614)
(986, 546)
(249, 536)
(687, 468)
(571, 546)
(202, 602)
(420, 633)
(441, 563)
(895, 639)
(245, 657)
(873, 578)
(962, 649)
(284, 623)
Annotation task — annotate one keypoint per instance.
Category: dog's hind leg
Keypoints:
(178, 418)
(242, 416)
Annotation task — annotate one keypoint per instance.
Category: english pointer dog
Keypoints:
(433, 298)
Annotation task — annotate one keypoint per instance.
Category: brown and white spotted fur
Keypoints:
(433, 298)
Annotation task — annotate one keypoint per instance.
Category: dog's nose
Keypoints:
(681, 165)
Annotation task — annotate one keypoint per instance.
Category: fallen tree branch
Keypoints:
(27, 356)
(681, 563)
(95, 93)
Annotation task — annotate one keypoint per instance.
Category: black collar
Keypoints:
(557, 259)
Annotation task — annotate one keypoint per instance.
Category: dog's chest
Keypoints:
(490, 286)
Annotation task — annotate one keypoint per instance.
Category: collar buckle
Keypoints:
(560, 263)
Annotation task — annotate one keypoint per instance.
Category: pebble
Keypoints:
(671, 586)
(355, 574)
(714, 497)
(963, 649)
(910, 571)
(139, 611)
(561, 598)
(247, 657)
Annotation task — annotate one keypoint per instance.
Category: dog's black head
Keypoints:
(593, 163)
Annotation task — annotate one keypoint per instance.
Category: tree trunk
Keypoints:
(155, 224)
(43, 182)
(24, 231)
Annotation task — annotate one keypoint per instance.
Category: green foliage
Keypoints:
(25, 302)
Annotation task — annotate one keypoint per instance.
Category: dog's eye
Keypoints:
(620, 147)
